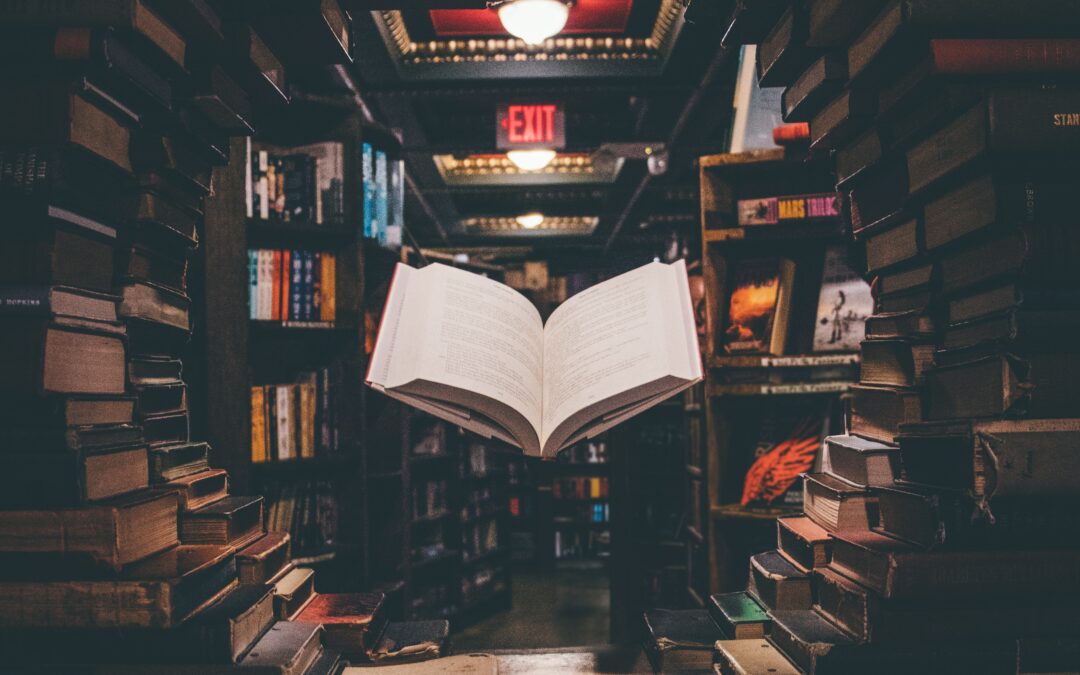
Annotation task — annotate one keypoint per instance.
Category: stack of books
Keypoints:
(937, 537)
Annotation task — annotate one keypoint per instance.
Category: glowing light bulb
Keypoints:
(531, 160)
(533, 20)
(530, 221)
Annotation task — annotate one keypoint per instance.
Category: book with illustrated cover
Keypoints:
(759, 306)
(477, 353)
(776, 210)
(844, 304)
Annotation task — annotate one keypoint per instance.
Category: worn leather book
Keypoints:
(404, 641)
(293, 592)
(158, 592)
(41, 357)
(1035, 255)
(995, 458)
(1042, 385)
(907, 279)
(156, 304)
(352, 622)
(161, 399)
(231, 521)
(199, 489)
(1016, 329)
(105, 536)
(898, 362)
(82, 438)
(174, 157)
(62, 247)
(783, 54)
(751, 21)
(56, 113)
(70, 477)
(911, 323)
(877, 412)
(154, 370)
(229, 628)
(1009, 120)
(680, 639)
(904, 24)
(803, 542)
(176, 460)
(877, 198)
(260, 562)
(836, 504)
(255, 65)
(156, 265)
(949, 519)
(842, 119)
(69, 411)
(818, 85)
(166, 428)
(819, 647)
(777, 584)
(895, 569)
(892, 243)
(156, 217)
(863, 462)
(219, 97)
(286, 649)
(750, 657)
(869, 618)
(738, 615)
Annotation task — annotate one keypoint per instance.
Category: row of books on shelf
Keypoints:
(308, 511)
(292, 285)
(299, 184)
(298, 420)
(579, 487)
(572, 544)
(479, 502)
(758, 308)
(587, 452)
(585, 513)
(384, 196)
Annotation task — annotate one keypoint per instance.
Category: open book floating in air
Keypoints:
(476, 353)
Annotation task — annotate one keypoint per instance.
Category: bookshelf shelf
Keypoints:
(297, 233)
(271, 328)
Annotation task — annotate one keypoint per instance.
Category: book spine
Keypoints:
(275, 288)
(258, 425)
(791, 133)
(249, 179)
(263, 185)
(25, 300)
(296, 286)
(381, 198)
(1001, 57)
(286, 283)
(329, 287)
(284, 446)
(253, 284)
(368, 188)
(271, 423)
(316, 286)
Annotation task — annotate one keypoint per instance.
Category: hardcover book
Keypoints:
(680, 639)
(351, 621)
(844, 303)
(739, 615)
(759, 306)
(777, 584)
(606, 354)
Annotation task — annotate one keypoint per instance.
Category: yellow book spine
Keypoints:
(258, 425)
(329, 287)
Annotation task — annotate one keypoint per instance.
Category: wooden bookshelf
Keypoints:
(242, 353)
(745, 393)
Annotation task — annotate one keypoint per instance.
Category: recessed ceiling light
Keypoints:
(530, 221)
(533, 20)
(531, 160)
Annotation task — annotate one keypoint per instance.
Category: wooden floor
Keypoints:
(565, 608)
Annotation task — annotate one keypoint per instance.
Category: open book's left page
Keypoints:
(449, 335)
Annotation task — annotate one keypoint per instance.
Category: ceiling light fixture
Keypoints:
(534, 20)
(530, 221)
(531, 160)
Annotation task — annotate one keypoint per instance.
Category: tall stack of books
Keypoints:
(939, 535)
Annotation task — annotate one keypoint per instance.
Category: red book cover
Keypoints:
(275, 305)
(350, 609)
(283, 299)
(1002, 57)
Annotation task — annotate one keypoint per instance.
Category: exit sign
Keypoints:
(530, 125)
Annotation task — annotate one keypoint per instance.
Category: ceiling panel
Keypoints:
(587, 17)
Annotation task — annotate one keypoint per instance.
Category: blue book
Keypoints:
(382, 197)
(309, 286)
(368, 171)
(396, 224)
(253, 284)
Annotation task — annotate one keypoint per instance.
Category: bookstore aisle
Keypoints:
(540, 336)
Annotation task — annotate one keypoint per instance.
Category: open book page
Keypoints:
(464, 336)
(627, 341)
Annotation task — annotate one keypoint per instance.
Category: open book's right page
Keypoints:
(619, 343)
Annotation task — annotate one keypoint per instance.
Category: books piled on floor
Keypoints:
(938, 535)
(118, 540)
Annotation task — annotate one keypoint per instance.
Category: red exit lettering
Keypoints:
(530, 123)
